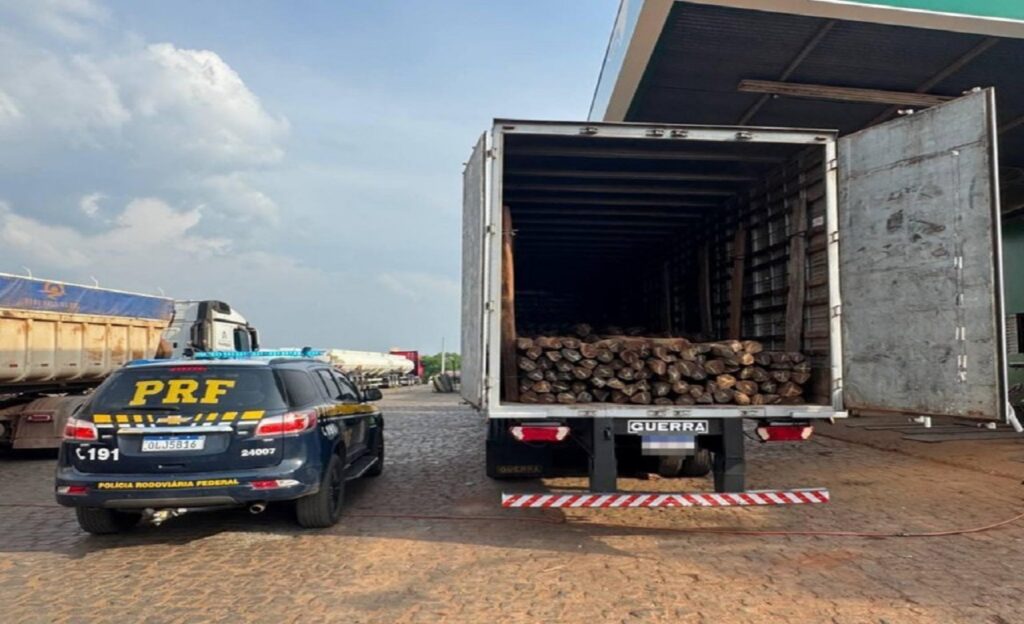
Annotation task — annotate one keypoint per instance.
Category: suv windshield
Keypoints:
(189, 389)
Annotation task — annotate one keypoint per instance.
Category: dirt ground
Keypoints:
(427, 542)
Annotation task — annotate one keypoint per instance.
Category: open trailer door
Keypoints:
(475, 269)
(920, 264)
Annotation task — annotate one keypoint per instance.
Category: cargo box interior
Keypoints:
(651, 234)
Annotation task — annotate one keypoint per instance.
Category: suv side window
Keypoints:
(348, 391)
(330, 385)
(300, 387)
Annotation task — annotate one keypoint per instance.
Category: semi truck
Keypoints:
(417, 362)
(370, 369)
(58, 341)
(876, 254)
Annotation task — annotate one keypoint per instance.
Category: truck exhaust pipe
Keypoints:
(257, 508)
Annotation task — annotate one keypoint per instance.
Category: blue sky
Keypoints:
(300, 160)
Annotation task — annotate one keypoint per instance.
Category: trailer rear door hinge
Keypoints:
(489, 306)
(837, 311)
(832, 165)
(492, 153)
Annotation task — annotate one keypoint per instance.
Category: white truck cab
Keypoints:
(208, 325)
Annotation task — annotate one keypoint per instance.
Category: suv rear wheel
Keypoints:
(105, 521)
(323, 509)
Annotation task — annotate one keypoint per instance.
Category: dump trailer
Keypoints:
(866, 267)
(58, 341)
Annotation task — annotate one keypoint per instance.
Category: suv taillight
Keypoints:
(80, 430)
(292, 423)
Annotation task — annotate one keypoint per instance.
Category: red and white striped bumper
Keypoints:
(657, 499)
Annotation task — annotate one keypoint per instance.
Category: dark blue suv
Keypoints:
(184, 434)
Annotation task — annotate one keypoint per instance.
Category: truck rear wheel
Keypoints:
(323, 509)
(105, 521)
(697, 465)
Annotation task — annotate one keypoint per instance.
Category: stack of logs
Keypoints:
(659, 371)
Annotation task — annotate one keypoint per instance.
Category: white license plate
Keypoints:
(158, 444)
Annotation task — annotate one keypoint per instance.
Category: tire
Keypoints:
(105, 521)
(670, 465)
(696, 465)
(378, 469)
(323, 509)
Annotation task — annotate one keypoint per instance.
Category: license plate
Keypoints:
(648, 427)
(157, 444)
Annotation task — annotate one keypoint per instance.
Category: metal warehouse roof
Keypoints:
(684, 61)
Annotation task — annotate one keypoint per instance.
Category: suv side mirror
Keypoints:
(372, 394)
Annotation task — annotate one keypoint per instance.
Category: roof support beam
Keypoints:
(641, 154)
(804, 52)
(985, 45)
(843, 94)
(573, 201)
(611, 189)
(632, 175)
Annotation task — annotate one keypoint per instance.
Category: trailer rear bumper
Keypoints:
(622, 500)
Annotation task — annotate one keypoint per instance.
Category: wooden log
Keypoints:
(598, 382)
(749, 388)
(534, 352)
(545, 364)
(641, 398)
(541, 387)
(588, 364)
(780, 376)
(547, 397)
(629, 390)
(523, 343)
(589, 351)
(568, 342)
(581, 372)
(535, 375)
(685, 399)
(752, 347)
(763, 359)
(663, 401)
(560, 386)
(578, 386)
(550, 375)
(661, 388)
(724, 382)
(548, 342)
(740, 398)
(619, 397)
(566, 398)
(604, 372)
(526, 364)
(571, 355)
(616, 384)
(601, 395)
(714, 367)
(528, 396)
(605, 356)
(584, 397)
(723, 396)
(657, 366)
(769, 387)
(554, 356)
(681, 387)
(789, 390)
(563, 367)
(800, 377)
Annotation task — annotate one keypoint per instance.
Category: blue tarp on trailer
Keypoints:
(25, 293)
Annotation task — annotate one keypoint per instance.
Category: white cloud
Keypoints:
(90, 204)
(74, 20)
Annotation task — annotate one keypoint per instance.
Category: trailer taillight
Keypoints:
(80, 430)
(784, 433)
(539, 433)
(292, 423)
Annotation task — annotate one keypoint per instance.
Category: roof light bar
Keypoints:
(263, 353)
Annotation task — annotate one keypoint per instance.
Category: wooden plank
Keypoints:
(844, 94)
(509, 370)
(797, 270)
(739, 249)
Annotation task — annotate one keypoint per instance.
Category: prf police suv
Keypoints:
(218, 433)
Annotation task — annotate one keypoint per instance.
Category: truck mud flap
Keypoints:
(754, 498)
